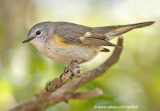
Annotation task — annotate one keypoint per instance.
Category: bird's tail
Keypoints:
(113, 31)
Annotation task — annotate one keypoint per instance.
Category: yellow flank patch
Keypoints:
(121, 28)
(59, 40)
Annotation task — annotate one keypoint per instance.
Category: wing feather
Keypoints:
(78, 34)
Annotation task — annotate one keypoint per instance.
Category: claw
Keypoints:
(77, 72)
(73, 68)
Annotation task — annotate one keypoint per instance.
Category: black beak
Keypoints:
(28, 39)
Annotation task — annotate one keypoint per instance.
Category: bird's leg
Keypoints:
(69, 69)
(74, 68)
(83, 61)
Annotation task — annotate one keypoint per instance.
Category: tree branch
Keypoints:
(91, 94)
(53, 94)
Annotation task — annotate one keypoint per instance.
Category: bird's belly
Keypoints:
(68, 53)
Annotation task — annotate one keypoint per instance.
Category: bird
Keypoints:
(65, 42)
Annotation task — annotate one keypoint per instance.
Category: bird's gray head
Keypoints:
(40, 31)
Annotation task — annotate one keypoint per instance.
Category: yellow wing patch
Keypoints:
(59, 40)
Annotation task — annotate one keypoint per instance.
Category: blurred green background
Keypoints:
(134, 80)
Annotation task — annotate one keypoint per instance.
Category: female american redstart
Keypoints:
(65, 42)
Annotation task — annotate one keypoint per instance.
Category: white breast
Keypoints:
(66, 53)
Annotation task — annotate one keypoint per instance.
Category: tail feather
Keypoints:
(112, 31)
(143, 24)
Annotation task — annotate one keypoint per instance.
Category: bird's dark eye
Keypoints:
(38, 32)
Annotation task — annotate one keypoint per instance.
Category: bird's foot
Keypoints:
(73, 69)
